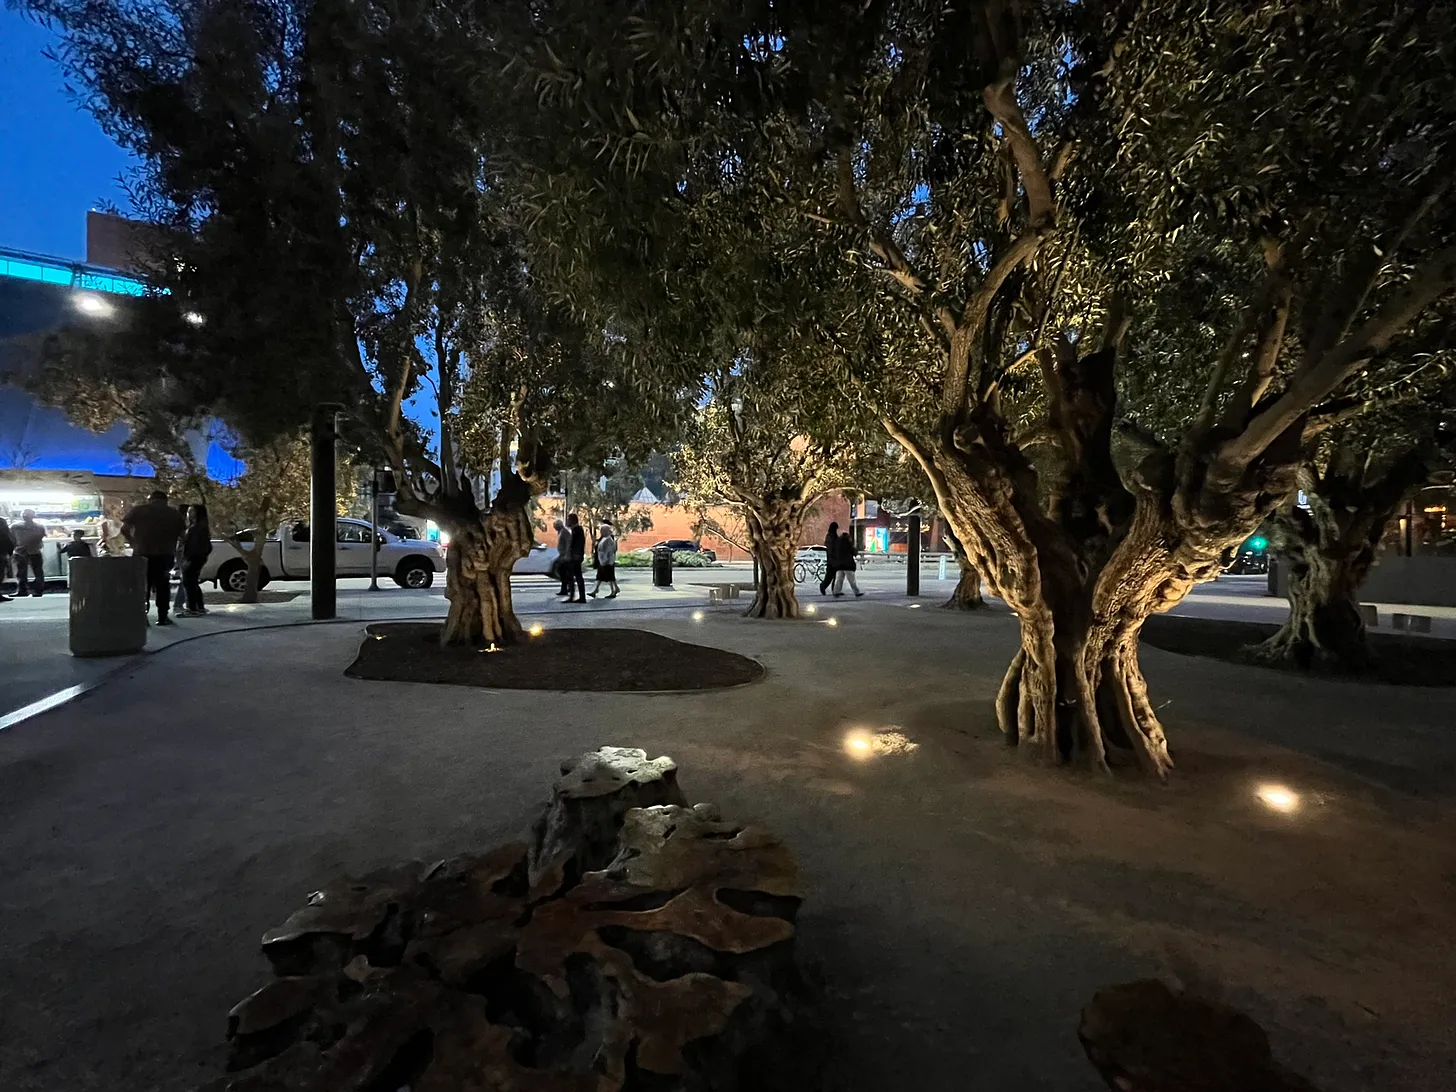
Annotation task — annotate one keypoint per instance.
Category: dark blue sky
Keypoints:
(55, 162)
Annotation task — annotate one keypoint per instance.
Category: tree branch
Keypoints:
(1000, 99)
(1317, 378)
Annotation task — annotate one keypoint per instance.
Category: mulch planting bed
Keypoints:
(557, 659)
(1399, 660)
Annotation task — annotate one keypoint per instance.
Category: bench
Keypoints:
(721, 593)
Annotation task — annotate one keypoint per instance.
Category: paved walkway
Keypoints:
(962, 905)
(33, 632)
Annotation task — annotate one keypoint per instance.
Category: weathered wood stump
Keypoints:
(1144, 1037)
(655, 950)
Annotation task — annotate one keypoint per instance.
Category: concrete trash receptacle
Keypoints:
(108, 605)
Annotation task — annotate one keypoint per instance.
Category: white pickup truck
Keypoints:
(412, 563)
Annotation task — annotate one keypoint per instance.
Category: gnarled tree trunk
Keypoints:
(774, 525)
(1082, 559)
(967, 594)
(1329, 548)
(478, 576)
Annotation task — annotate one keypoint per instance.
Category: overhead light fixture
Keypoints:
(89, 303)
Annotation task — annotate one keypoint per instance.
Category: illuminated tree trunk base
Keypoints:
(967, 594)
(253, 559)
(1324, 631)
(1078, 696)
(773, 528)
(478, 579)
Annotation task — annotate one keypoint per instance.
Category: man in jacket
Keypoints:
(563, 558)
(29, 536)
(576, 578)
(153, 529)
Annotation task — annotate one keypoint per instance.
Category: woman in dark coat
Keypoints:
(845, 567)
(831, 551)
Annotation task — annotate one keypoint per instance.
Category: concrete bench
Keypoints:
(721, 593)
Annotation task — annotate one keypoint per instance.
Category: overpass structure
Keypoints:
(18, 265)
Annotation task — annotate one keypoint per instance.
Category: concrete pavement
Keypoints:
(961, 904)
(38, 665)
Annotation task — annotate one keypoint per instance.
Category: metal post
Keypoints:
(912, 557)
(323, 510)
(374, 528)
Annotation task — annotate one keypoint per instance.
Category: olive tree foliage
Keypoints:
(606, 497)
(1124, 260)
(325, 175)
(774, 435)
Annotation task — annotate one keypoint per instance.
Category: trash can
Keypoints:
(108, 605)
(662, 568)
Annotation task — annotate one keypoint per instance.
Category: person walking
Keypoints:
(153, 529)
(604, 556)
(563, 558)
(845, 567)
(576, 577)
(196, 546)
(831, 551)
(29, 538)
(7, 550)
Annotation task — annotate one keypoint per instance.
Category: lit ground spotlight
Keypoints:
(1280, 798)
(914, 606)
(831, 621)
(536, 630)
(697, 616)
(866, 743)
(811, 609)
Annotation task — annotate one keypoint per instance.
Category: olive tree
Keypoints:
(324, 178)
(1083, 222)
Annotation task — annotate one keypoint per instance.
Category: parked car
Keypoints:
(685, 546)
(541, 561)
(412, 563)
(811, 553)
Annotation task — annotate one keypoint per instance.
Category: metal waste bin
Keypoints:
(662, 568)
(108, 605)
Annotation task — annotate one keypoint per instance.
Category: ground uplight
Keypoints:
(536, 630)
(831, 621)
(811, 609)
(866, 743)
(697, 616)
(1280, 798)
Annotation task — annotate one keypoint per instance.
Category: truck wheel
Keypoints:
(414, 573)
(233, 577)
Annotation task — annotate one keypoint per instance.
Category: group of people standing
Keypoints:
(839, 562)
(167, 538)
(571, 550)
(171, 538)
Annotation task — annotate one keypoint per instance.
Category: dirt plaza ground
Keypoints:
(962, 905)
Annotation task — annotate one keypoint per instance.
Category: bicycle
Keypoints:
(803, 570)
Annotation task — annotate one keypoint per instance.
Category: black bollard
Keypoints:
(912, 557)
(323, 509)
